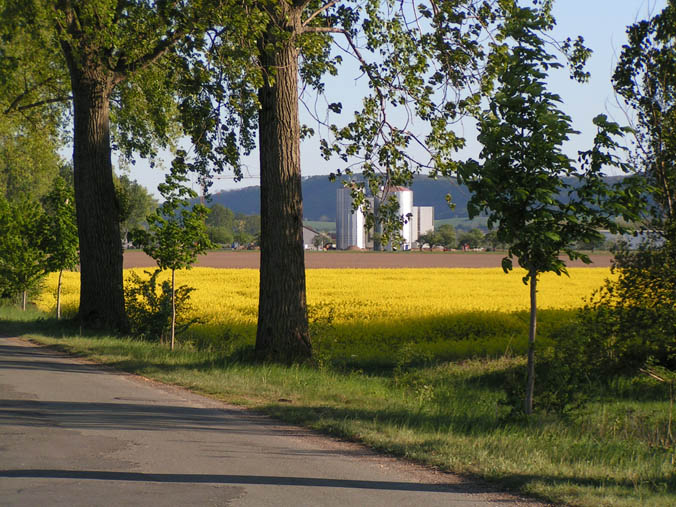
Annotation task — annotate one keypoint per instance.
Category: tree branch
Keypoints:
(15, 103)
(319, 11)
(39, 103)
(324, 29)
(123, 70)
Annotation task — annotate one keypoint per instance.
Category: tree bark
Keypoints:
(530, 383)
(101, 287)
(282, 333)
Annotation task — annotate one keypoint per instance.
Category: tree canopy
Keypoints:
(523, 171)
(136, 203)
(645, 79)
(417, 59)
(110, 62)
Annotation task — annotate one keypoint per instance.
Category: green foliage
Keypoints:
(524, 170)
(23, 261)
(320, 240)
(645, 78)
(28, 162)
(176, 235)
(523, 175)
(566, 380)
(220, 216)
(444, 236)
(34, 98)
(492, 242)
(473, 238)
(220, 235)
(225, 227)
(633, 317)
(136, 203)
(60, 239)
(149, 307)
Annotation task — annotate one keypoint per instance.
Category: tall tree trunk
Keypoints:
(282, 333)
(530, 383)
(101, 287)
(173, 306)
(23, 300)
(58, 296)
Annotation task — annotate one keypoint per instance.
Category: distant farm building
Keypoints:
(350, 223)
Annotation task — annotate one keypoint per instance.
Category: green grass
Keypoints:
(321, 226)
(449, 415)
(463, 222)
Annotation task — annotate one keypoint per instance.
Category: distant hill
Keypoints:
(319, 198)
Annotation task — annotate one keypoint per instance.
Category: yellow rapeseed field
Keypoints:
(228, 297)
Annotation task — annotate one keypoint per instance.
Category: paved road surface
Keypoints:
(72, 433)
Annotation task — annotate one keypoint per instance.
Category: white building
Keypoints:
(350, 225)
(422, 221)
(349, 222)
(404, 197)
(309, 235)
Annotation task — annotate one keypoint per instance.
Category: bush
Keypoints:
(634, 318)
(563, 378)
(220, 235)
(149, 309)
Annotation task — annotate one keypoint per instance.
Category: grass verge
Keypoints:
(446, 415)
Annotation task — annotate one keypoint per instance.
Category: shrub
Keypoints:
(149, 308)
(634, 318)
(563, 379)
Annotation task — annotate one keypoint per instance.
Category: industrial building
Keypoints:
(350, 229)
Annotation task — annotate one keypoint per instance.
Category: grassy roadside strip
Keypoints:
(448, 416)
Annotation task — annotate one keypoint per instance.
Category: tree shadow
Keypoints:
(513, 482)
(231, 479)
(47, 326)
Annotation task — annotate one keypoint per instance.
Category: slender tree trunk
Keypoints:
(58, 296)
(101, 287)
(23, 301)
(530, 383)
(173, 306)
(282, 333)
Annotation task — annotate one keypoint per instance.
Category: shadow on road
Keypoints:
(43, 358)
(222, 479)
(129, 414)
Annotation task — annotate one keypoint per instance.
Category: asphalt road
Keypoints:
(73, 433)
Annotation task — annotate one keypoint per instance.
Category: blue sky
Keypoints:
(602, 23)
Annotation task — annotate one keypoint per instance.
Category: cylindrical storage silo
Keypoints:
(405, 198)
(349, 222)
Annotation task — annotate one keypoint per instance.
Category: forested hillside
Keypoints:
(319, 198)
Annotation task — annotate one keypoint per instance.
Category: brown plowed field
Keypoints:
(313, 260)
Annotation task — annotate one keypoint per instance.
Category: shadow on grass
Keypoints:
(519, 482)
(47, 326)
(329, 419)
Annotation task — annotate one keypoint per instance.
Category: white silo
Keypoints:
(349, 222)
(404, 197)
